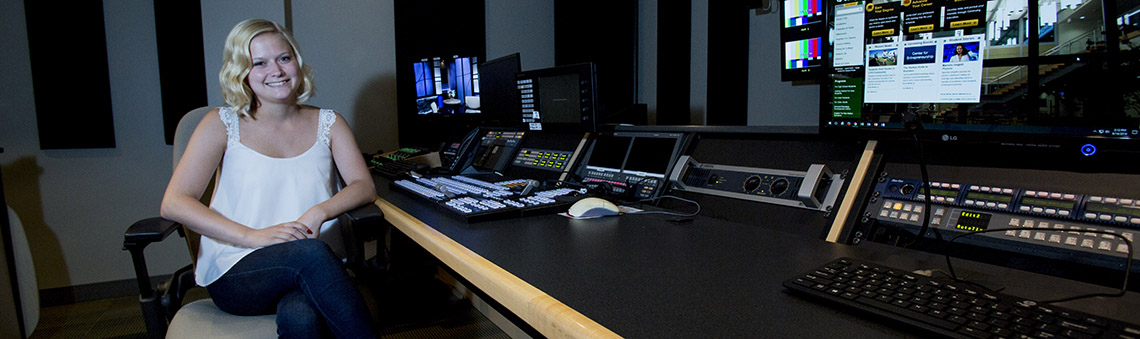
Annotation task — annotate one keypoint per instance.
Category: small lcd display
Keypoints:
(1067, 205)
(609, 152)
(1113, 209)
(942, 193)
(989, 197)
(973, 221)
(650, 155)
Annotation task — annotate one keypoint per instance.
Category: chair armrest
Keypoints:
(360, 225)
(149, 230)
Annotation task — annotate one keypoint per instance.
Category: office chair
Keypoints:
(162, 307)
(472, 104)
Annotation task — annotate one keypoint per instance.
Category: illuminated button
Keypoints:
(1096, 199)
(1055, 238)
(1110, 200)
(897, 206)
(1058, 226)
(904, 216)
(1014, 222)
(884, 213)
(918, 209)
(950, 200)
(1090, 215)
(1091, 234)
(1039, 236)
(939, 211)
(1122, 248)
(940, 199)
(1024, 208)
(921, 197)
(1007, 190)
(1105, 246)
(1003, 206)
(894, 215)
(914, 217)
(955, 186)
(1028, 223)
(1050, 211)
(985, 189)
(1043, 224)
(1025, 234)
(1089, 243)
(975, 187)
(1104, 217)
(1055, 195)
(1075, 230)
(908, 207)
(935, 221)
(1012, 233)
(1127, 235)
(1038, 210)
(969, 202)
(1064, 213)
(1071, 241)
(1126, 201)
(1134, 220)
(1109, 236)
(991, 205)
(1120, 219)
(1070, 197)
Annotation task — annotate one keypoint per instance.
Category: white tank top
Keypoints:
(259, 191)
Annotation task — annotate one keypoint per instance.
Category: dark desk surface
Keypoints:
(642, 276)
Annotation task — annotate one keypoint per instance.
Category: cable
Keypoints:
(668, 212)
(1127, 264)
(914, 124)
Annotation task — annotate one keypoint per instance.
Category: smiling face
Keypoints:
(959, 50)
(274, 75)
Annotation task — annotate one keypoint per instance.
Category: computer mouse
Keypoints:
(593, 207)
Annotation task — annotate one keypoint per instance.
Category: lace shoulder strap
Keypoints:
(324, 124)
(230, 119)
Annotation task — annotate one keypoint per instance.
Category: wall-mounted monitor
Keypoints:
(560, 98)
(803, 35)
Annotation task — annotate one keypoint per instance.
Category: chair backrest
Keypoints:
(472, 101)
(182, 135)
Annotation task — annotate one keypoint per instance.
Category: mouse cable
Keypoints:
(668, 212)
(1127, 263)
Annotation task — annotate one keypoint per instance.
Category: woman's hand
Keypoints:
(277, 234)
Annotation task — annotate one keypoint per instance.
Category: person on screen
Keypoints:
(963, 54)
(278, 163)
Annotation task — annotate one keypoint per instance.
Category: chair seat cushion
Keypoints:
(203, 319)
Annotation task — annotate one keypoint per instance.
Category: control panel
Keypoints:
(1058, 225)
(816, 189)
(543, 159)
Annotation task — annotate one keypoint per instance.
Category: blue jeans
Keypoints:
(301, 281)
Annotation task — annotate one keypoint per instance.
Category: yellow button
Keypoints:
(921, 28)
(964, 23)
(883, 32)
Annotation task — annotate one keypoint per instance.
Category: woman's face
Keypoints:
(959, 50)
(274, 76)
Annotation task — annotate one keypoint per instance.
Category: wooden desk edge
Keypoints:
(546, 314)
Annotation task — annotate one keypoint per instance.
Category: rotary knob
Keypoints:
(752, 183)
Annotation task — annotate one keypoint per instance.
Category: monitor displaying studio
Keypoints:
(447, 85)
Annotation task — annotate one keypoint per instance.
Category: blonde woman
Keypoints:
(277, 188)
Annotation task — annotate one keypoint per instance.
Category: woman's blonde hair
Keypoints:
(236, 64)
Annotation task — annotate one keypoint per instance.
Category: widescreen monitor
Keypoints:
(973, 71)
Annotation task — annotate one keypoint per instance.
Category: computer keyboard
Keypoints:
(947, 308)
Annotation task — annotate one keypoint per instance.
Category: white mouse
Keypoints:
(593, 207)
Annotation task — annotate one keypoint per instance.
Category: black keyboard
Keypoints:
(947, 308)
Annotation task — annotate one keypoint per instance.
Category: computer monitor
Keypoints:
(498, 92)
(803, 34)
(560, 98)
(978, 72)
(447, 85)
(631, 164)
